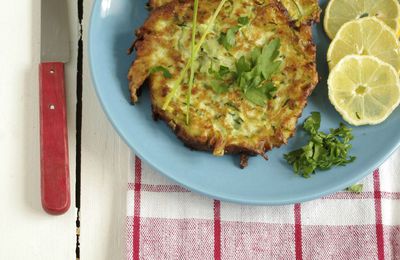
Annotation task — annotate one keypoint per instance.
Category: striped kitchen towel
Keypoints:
(166, 221)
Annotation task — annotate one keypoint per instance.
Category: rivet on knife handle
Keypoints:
(55, 186)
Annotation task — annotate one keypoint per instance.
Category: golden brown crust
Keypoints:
(163, 41)
(140, 68)
(299, 11)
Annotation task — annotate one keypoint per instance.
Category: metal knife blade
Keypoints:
(55, 45)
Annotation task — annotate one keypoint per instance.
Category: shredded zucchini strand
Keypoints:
(196, 5)
(299, 9)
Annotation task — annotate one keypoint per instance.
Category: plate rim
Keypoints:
(243, 201)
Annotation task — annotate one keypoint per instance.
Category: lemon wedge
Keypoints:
(364, 89)
(338, 12)
(366, 36)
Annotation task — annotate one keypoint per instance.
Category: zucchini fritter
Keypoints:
(223, 117)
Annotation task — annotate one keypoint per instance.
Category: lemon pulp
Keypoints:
(338, 12)
(364, 89)
(366, 36)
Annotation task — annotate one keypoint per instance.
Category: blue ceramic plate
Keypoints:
(262, 182)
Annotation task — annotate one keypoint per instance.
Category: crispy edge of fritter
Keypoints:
(153, 4)
(314, 17)
(139, 73)
(140, 68)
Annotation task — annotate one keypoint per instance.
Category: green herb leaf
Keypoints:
(228, 39)
(162, 69)
(221, 81)
(218, 86)
(266, 61)
(256, 96)
(255, 53)
(356, 188)
(223, 71)
(242, 66)
(269, 89)
(363, 15)
(312, 123)
(323, 150)
(253, 77)
(243, 20)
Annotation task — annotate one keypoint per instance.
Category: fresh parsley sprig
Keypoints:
(254, 77)
(221, 80)
(228, 38)
(251, 75)
(323, 150)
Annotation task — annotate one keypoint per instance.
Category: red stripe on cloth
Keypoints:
(363, 195)
(136, 211)
(390, 195)
(217, 230)
(345, 195)
(297, 232)
(378, 215)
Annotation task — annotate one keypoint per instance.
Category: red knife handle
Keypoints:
(55, 188)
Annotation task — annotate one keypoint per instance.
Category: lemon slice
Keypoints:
(338, 12)
(366, 36)
(364, 89)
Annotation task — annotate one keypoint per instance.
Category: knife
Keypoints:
(54, 52)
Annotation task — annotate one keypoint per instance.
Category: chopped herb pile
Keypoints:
(356, 188)
(323, 150)
(162, 69)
